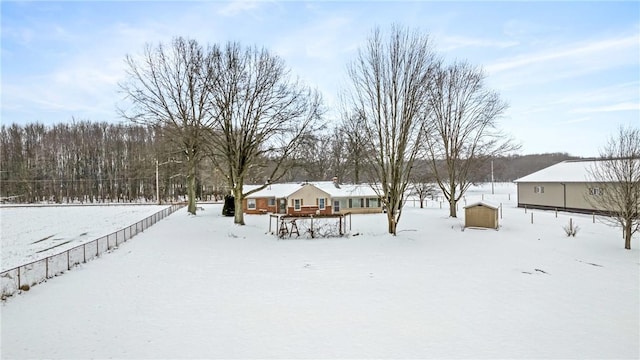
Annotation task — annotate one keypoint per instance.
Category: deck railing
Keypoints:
(33, 273)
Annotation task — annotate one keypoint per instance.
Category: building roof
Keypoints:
(346, 190)
(283, 190)
(484, 203)
(273, 190)
(565, 171)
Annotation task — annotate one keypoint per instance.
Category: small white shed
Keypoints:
(481, 214)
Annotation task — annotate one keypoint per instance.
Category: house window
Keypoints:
(336, 205)
(361, 203)
(538, 189)
(350, 203)
(296, 204)
(272, 202)
(321, 204)
(595, 191)
(251, 204)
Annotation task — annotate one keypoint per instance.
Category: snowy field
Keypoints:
(30, 233)
(201, 287)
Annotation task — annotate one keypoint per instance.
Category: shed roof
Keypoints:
(488, 204)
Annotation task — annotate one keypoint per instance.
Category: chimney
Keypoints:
(335, 182)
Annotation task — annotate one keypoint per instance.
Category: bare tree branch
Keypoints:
(462, 128)
(617, 182)
(167, 88)
(390, 81)
(260, 114)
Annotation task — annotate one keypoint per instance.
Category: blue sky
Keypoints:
(569, 70)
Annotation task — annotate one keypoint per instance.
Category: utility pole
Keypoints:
(157, 184)
(492, 177)
(157, 176)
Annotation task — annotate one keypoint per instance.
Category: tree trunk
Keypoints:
(627, 235)
(238, 217)
(391, 218)
(191, 190)
(452, 208)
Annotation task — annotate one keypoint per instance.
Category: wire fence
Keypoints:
(33, 273)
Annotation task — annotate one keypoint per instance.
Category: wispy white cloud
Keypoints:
(578, 120)
(236, 7)
(448, 43)
(625, 92)
(567, 52)
(628, 106)
(526, 29)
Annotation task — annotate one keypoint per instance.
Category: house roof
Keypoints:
(273, 190)
(283, 190)
(565, 171)
(346, 190)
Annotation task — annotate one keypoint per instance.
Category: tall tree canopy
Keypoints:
(462, 129)
(168, 87)
(390, 80)
(260, 114)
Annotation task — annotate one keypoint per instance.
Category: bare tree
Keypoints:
(357, 144)
(314, 156)
(462, 129)
(261, 116)
(390, 81)
(617, 182)
(167, 87)
(422, 184)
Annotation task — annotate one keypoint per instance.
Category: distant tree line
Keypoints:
(89, 162)
(85, 161)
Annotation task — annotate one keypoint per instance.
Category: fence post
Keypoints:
(68, 261)
(19, 279)
(532, 218)
(84, 253)
(46, 276)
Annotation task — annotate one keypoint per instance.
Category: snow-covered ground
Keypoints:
(201, 287)
(30, 233)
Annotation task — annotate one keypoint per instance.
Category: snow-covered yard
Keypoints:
(201, 287)
(30, 233)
